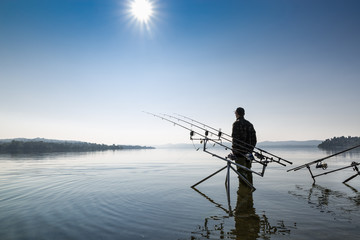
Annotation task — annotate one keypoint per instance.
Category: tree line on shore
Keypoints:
(16, 146)
(340, 142)
(36, 146)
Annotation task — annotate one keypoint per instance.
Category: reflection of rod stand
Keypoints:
(228, 167)
(353, 165)
(228, 211)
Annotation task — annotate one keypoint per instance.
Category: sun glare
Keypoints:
(141, 10)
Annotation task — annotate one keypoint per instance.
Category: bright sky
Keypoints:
(85, 70)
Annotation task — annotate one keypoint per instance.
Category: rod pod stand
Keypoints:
(355, 168)
(353, 165)
(227, 179)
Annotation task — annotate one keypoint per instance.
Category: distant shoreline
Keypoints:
(40, 145)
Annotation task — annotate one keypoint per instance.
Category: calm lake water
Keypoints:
(146, 194)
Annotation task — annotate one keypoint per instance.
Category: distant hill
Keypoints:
(340, 142)
(40, 145)
(37, 140)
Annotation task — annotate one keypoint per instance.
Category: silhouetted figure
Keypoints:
(244, 141)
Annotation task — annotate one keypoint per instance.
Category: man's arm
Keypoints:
(253, 139)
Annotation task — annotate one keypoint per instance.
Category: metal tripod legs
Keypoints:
(227, 179)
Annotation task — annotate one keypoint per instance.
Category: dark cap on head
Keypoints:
(240, 111)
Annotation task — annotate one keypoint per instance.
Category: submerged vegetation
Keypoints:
(33, 146)
(340, 142)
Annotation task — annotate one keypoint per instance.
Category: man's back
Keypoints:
(243, 132)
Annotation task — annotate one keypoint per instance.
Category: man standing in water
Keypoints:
(244, 141)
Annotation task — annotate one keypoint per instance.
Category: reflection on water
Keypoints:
(247, 223)
(45, 156)
(218, 205)
(338, 204)
(354, 153)
(146, 195)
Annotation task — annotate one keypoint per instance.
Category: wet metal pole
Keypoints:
(227, 182)
(208, 177)
(357, 174)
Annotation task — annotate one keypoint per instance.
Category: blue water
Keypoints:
(146, 194)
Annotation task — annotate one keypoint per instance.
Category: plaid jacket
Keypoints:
(243, 132)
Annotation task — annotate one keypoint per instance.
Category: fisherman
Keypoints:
(243, 143)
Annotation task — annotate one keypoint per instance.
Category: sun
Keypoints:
(141, 10)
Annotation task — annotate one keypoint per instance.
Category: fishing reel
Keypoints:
(321, 165)
(249, 157)
(259, 156)
(354, 165)
(231, 156)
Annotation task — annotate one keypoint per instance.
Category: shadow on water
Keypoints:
(338, 204)
(59, 155)
(241, 223)
(43, 156)
(355, 153)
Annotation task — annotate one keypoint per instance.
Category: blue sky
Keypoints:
(85, 69)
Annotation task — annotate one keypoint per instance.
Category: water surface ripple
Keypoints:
(146, 194)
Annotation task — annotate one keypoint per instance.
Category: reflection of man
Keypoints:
(247, 222)
(244, 141)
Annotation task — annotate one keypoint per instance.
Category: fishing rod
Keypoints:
(320, 164)
(263, 159)
(239, 142)
(220, 138)
(204, 140)
(192, 132)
